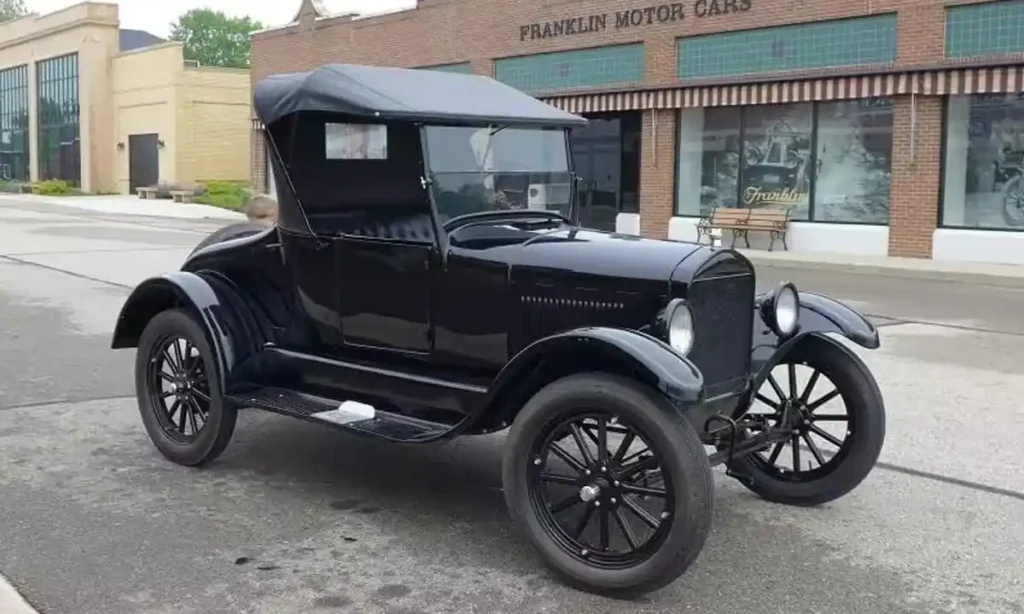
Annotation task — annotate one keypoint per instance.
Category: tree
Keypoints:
(214, 39)
(12, 9)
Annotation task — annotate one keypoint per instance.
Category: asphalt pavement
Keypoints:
(296, 518)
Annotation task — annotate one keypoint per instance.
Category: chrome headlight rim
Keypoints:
(679, 326)
(781, 310)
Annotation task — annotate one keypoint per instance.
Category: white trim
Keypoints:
(627, 223)
(985, 246)
(858, 239)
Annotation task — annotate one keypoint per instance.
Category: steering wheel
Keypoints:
(510, 214)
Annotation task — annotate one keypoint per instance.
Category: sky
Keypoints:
(155, 16)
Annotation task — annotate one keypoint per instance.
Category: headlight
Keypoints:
(680, 328)
(781, 309)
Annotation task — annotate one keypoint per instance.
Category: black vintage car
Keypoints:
(426, 280)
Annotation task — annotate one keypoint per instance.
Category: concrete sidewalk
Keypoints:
(11, 602)
(973, 273)
(128, 205)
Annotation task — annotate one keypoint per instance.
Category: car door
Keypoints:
(385, 289)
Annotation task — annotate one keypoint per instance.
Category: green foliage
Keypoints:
(214, 39)
(52, 187)
(225, 194)
(11, 9)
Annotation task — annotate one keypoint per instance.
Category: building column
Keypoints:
(33, 123)
(916, 175)
(259, 159)
(657, 171)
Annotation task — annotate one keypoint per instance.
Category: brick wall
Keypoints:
(657, 172)
(444, 31)
(916, 166)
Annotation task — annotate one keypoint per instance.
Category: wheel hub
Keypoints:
(590, 492)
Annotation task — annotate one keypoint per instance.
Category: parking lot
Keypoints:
(296, 518)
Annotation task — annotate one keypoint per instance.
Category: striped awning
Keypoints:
(1004, 79)
(932, 82)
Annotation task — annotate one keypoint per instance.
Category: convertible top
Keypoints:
(403, 94)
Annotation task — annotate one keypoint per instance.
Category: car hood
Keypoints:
(596, 259)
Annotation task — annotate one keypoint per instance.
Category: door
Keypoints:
(597, 153)
(143, 161)
(385, 293)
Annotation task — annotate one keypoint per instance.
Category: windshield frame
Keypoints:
(430, 172)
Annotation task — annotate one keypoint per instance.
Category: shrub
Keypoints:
(225, 194)
(51, 187)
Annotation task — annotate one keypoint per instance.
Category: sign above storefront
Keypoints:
(631, 18)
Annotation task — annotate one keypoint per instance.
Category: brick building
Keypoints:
(107, 109)
(886, 126)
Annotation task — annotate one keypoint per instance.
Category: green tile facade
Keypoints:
(821, 44)
(460, 67)
(985, 29)
(610, 65)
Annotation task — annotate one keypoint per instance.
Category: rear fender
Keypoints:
(593, 348)
(173, 290)
(819, 315)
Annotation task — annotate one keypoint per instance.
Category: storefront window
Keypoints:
(826, 162)
(983, 183)
(58, 117)
(777, 161)
(708, 159)
(854, 161)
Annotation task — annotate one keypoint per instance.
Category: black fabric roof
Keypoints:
(402, 94)
(136, 39)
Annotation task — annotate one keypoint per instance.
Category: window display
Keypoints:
(777, 163)
(854, 161)
(826, 162)
(982, 174)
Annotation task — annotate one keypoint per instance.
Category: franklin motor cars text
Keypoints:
(631, 18)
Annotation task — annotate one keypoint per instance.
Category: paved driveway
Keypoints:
(299, 518)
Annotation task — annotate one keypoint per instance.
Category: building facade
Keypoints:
(108, 109)
(890, 127)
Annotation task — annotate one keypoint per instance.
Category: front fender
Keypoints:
(172, 290)
(819, 315)
(655, 362)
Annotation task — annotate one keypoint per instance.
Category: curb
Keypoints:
(1010, 279)
(11, 602)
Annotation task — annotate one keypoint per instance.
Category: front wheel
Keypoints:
(609, 483)
(177, 388)
(834, 445)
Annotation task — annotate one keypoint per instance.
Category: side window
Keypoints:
(355, 141)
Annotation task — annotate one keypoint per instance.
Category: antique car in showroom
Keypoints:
(427, 279)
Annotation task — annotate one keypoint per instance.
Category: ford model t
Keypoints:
(426, 280)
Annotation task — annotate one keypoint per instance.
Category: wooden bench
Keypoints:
(742, 221)
(182, 196)
(146, 192)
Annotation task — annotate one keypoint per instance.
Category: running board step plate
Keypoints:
(350, 415)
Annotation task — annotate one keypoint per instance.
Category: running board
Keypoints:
(350, 416)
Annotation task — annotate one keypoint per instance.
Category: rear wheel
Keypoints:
(609, 483)
(828, 396)
(177, 386)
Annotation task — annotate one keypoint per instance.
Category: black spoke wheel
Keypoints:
(177, 388)
(831, 405)
(610, 483)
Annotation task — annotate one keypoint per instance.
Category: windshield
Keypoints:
(498, 168)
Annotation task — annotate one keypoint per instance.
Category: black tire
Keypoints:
(178, 327)
(685, 472)
(859, 450)
(231, 231)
